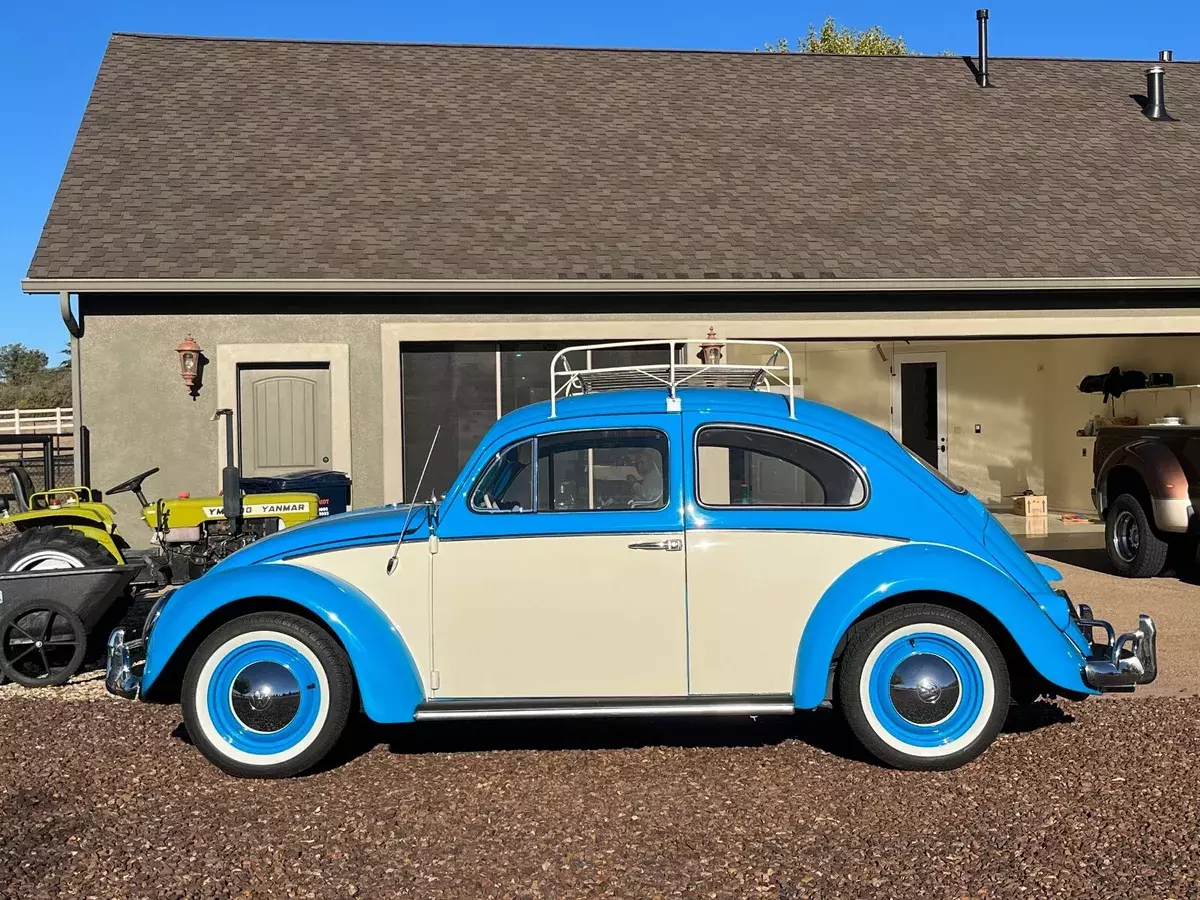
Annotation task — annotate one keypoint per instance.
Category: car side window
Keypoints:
(616, 468)
(507, 483)
(738, 466)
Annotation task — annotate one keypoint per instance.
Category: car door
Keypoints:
(560, 570)
(773, 519)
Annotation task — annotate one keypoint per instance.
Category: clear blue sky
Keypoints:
(50, 51)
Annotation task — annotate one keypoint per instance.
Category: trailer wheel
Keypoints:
(1134, 549)
(42, 644)
(41, 549)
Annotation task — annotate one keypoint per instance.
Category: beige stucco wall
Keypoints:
(141, 416)
(1022, 392)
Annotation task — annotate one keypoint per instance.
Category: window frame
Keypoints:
(789, 435)
(536, 440)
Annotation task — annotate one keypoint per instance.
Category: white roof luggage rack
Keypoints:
(671, 374)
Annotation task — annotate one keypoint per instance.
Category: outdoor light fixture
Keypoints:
(710, 351)
(189, 362)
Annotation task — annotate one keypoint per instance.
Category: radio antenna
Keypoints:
(395, 557)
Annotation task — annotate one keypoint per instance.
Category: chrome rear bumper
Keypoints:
(119, 675)
(1122, 662)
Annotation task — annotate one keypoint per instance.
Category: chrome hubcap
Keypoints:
(925, 689)
(265, 696)
(1125, 536)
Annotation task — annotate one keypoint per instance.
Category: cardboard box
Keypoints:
(1029, 505)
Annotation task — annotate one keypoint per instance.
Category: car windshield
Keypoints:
(953, 485)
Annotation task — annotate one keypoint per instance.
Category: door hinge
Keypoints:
(435, 680)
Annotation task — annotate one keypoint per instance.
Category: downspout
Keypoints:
(75, 329)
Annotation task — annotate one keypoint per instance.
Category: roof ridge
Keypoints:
(564, 48)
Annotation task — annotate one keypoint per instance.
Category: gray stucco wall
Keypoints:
(140, 414)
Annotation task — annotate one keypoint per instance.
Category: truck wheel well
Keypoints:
(1026, 682)
(1124, 480)
(167, 686)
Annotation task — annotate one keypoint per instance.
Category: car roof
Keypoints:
(736, 401)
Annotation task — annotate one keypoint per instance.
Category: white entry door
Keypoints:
(919, 405)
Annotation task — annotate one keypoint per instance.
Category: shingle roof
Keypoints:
(213, 158)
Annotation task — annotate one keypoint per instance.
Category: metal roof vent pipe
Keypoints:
(1165, 56)
(1156, 104)
(981, 72)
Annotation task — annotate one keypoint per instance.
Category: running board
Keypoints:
(567, 708)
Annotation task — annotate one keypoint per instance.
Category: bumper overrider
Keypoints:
(1121, 662)
(125, 658)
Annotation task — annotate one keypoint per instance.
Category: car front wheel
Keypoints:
(923, 687)
(267, 695)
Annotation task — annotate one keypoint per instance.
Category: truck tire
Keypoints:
(52, 548)
(923, 687)
(1134, 548)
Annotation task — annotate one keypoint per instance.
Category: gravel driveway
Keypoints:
(1090, 799)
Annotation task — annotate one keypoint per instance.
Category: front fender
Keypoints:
(909, 568)
(387, 678)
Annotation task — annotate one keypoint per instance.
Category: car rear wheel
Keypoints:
(923, 687)
(1134, 549)
(267, 695)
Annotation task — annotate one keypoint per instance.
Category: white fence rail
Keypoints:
(37, 421)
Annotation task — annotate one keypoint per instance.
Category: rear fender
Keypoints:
(1161, 474)
(916, 568)
(386, 676)
(89, 525)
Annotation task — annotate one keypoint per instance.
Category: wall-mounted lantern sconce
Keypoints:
(189, 362)
(710, 351)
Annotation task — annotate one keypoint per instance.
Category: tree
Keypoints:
(19, 365)
(845, 40)
(26, 382)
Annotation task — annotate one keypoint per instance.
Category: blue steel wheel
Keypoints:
(267, 695)
(923, 687)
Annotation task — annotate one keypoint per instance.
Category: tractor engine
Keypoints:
(189, 552)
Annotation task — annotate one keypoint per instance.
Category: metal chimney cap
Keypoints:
(981, 13)
(1165, 56)
(1155, 70)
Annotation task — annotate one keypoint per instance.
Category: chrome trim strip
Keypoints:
(732, 708)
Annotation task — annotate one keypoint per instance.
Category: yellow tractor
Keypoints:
(72, 528)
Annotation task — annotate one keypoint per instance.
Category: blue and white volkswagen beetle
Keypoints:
(691, 547)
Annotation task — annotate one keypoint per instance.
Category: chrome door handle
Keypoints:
(672, 544)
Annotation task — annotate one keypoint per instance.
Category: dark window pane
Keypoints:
(525, 372)
(918, 409)
(657, 354)
(609, 469)
(452, 385)
(741, 467)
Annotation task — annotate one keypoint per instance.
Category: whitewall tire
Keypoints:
(923, 687)
(267, 695)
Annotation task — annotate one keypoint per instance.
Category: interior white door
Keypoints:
(589, 615)
(919, 406)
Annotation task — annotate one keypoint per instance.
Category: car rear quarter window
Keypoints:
(737, 466)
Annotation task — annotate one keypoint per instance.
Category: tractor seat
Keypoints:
(22, 487)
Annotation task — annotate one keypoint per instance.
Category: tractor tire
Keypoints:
(1135, 549)
(52, 548)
